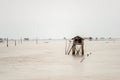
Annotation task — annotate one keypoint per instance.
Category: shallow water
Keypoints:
(47, 61)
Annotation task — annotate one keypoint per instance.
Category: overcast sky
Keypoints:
(59, 18)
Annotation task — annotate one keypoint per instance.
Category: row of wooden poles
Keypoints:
(15, 42)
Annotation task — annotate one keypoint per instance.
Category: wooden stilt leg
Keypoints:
(73, 49)
(82, 49)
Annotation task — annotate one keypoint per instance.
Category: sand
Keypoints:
(47, 61)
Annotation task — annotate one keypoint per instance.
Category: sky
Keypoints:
(59, 18)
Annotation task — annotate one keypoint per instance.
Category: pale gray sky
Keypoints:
(59, 18)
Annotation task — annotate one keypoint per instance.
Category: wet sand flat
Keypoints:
(47, 61)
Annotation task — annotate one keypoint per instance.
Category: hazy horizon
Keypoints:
(59, 18)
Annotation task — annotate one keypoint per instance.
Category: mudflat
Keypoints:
(46, 60)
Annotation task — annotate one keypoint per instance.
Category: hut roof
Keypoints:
(78, 37)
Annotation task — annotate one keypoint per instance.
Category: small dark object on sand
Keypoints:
(87, 55)
(82, 59)
(90, 53)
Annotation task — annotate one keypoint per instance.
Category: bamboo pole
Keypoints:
(7, 42)
(15, 43)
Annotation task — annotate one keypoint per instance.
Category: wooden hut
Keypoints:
(77, 40)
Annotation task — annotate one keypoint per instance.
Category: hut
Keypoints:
(78, 41)
(26, 39)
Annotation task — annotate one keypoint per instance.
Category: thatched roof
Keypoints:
(77, 37)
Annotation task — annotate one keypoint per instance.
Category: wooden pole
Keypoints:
(15, 43)
(66, 46)
(21, 40)
(82, 46)
(67, 52)
(7, 42)
(73, 49)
